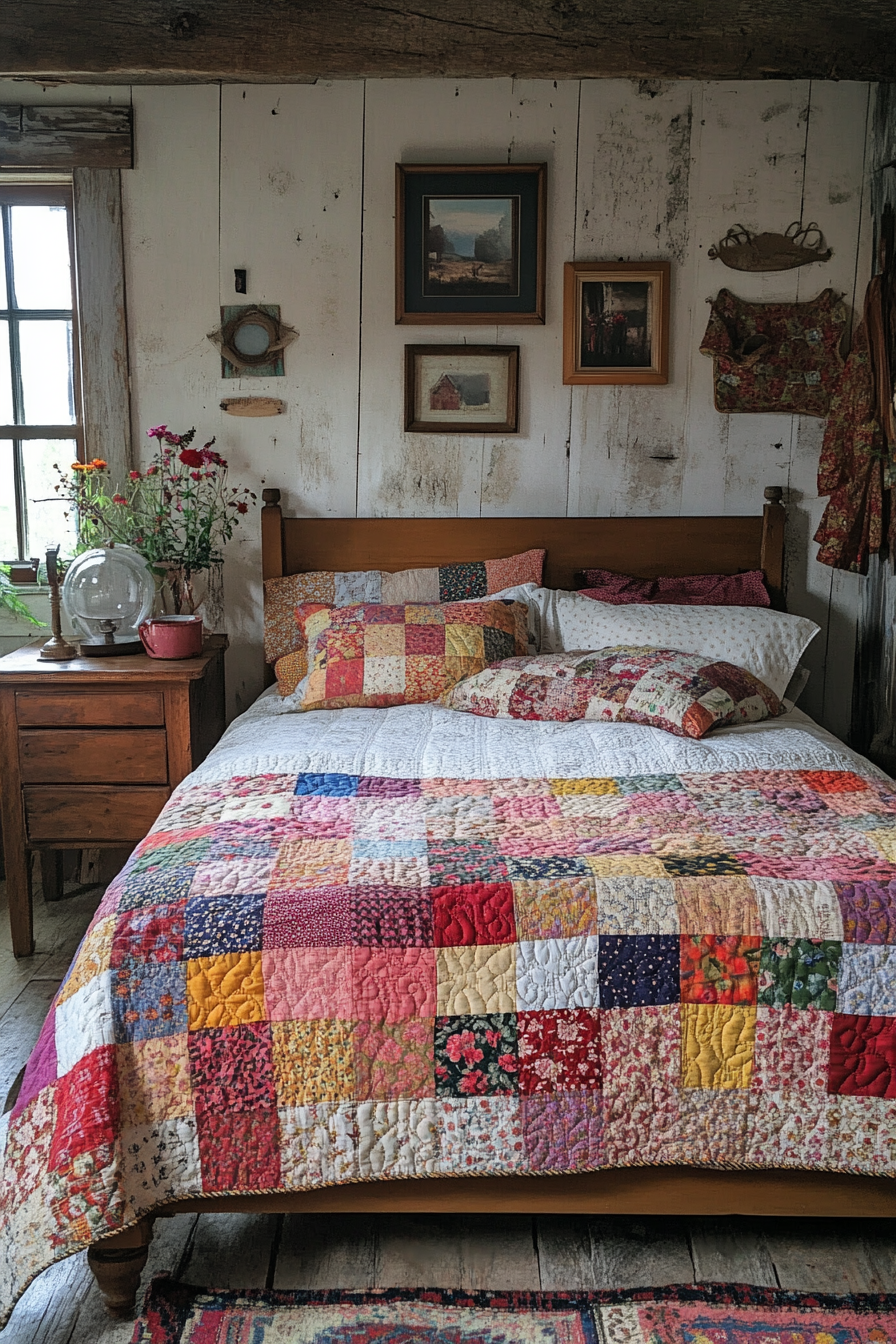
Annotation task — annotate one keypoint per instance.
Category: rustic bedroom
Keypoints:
(447, 710)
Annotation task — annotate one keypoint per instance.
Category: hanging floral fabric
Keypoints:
(775, 356)
(857, 469)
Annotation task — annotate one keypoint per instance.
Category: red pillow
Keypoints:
(687, 590)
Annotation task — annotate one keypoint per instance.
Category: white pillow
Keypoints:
(767, 643)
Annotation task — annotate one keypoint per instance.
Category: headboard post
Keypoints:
(774, 516)
(271, 535)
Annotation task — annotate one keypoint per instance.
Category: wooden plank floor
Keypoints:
(455, 1251)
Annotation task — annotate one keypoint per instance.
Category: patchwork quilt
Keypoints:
(316, 975)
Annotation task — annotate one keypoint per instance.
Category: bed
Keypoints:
(261, 1050)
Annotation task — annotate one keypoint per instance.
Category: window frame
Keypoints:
(35, 194)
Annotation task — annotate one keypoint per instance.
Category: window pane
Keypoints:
(9, 545)
(41, 265)
(47, 523)
(6, 415)
(2, 266)
(46, 353)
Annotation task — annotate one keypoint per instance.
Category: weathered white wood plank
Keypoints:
(231, 1250)
(627, 445)
(810, 1258)
(730, 1250)
(629, 1254)
(327, 1251)
(456, 1251)
(564, 1254)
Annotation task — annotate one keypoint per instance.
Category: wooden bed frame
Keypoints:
(644, 546)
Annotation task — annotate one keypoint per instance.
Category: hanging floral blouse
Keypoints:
(775, 356)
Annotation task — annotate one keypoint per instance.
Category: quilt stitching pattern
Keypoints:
(319, 977)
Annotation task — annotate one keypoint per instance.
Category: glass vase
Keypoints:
(196, 592)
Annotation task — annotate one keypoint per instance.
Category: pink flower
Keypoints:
(174, 439)
(191, 457)
(458, 1044)
(119, 499)
(195, 475)
(157, 432)
(493, 1037)
(474, 1082)
(134, 475)
(507, 1063)
(152, 469)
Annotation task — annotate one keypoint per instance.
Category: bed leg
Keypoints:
(117, 1264)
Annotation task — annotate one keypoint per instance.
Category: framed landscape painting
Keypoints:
(616, 322)
(461, 389)
(469, 243)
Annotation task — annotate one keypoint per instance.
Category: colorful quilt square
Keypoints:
(388, 789)
(390, 870)
(245, 875)
(393, 983)
(391, 917)
(400, 818)
(867, 980)
(798, 909)
(570, 787)
(863, 1056)
(557, 973)
(424, 678)
(717, 1045)
(833, 781)
(457, 583)
(869, 911)
(380, 680)
(149, 1000)
(313, 1061)
(793, 1046)
(88, 1110)
(479, 913)
(424, 639)
(304, 982)
(476, 980)
(81, 1022)
(546, 868)
(476, 1055)
(497, 644)
(319, 1144)
(719, 970)
(236, 840)
(640, 1050)
(801, 972)
(304, 864)
(559, 1051)
(239, 1150)
(638, 969)
(635, 904)
(225, 991)
(555, 908)
(42, 1068)
(154, 1080)
(155, 887)
(563, 1132)
(481, 1134)
(456, 863)
(625, 865)
(215, 924)
(93, 956)
(382, 641)
(393, 1059)
(717, 905)
(149, 933)
(308, 918)
(326, 785)
(398, 1138)
(231, 1068)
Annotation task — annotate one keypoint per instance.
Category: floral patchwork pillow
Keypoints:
(404, 654)
(682, 693)
(447, 583)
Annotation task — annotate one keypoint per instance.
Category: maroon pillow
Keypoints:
(687, 590)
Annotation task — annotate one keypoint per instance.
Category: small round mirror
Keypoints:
(251, 339)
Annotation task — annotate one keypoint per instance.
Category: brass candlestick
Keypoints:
(56, 649)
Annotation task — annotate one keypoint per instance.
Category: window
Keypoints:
(40, 419)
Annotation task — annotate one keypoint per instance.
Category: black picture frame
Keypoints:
(494, 276)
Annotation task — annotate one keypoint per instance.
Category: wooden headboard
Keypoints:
(648, 547)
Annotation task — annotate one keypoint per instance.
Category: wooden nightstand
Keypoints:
(90, 750)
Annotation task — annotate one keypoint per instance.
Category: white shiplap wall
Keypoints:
(296, 184)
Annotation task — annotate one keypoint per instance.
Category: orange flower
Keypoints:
(98, 463)
(78, 466)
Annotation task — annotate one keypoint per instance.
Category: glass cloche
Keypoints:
(106, 595)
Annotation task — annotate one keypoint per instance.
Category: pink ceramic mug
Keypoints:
(172, 636)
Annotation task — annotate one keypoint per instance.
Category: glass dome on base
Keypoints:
(107, 594)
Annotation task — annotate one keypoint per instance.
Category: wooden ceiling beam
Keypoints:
(159, 41)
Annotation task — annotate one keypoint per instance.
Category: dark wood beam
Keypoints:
(157, 41)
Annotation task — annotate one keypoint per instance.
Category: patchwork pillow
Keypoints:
(679, 692)
(404, 654)
(447, 583)
(713, 590)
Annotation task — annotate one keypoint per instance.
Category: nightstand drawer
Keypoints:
(93, 756)
(74, 816)
(103, 707)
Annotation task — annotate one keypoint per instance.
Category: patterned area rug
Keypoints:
(177, 1313)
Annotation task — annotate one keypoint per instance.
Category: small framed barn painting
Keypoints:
(616, 322)
(469, 243)
(461, 389)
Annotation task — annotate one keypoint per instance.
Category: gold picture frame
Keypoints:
(616, 322)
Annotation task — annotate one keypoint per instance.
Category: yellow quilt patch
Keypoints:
(717, 1045)
(225, 991)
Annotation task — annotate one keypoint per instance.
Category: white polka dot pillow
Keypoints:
(679, 692)
(767, 643)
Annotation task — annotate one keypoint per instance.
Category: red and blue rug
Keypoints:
(176, 1313)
